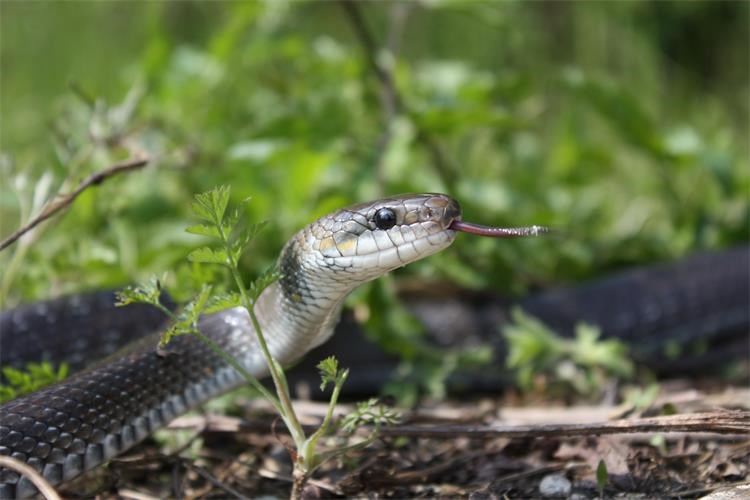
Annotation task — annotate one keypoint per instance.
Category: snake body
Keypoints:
(74, 426)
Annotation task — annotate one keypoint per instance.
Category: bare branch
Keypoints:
(47, 491)
(724, 422)
(63, 201)
(392, 93)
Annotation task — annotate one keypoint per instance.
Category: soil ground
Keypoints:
(241, 457)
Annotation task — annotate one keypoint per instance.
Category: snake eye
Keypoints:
(385, 218)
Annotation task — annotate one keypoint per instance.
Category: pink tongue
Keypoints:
(497, 232)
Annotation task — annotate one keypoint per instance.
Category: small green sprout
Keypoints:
(602, 476)
(370, 412)
(330, 373)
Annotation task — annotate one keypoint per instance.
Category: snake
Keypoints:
(98, 413)
(76, 425)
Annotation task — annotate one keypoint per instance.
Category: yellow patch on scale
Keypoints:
(346, 242)
(347, 245)
(327, 244)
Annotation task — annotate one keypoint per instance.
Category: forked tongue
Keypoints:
(497, 232)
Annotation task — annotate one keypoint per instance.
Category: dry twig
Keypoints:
(56, 204)
(725, 422)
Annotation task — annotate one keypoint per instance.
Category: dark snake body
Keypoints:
(72, 427)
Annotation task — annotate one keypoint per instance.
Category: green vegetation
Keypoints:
(623, 124)
(583, 365)
(34, 376)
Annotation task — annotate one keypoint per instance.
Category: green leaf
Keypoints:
(195, 307)
(224, 301)
(203, 230)
(171, 332)
(330, 373)
(610, 354)
(207, 255)
(7, 393)
(187, 319)
(145, 293)
(202, 211)
(262, 282)
(211, 205)
(231, 220)
(601, 475)
(370, 412)
(245, 237)
(16, 377)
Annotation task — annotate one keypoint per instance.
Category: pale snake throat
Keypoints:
(76, 425)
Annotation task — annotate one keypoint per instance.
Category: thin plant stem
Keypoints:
(312, 441)
(282, 390)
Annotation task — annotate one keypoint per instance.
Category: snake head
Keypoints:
(363, 241)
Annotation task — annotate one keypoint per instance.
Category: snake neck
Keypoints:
(293, 325)
(301, 309)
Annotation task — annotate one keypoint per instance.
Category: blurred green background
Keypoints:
(624, 124)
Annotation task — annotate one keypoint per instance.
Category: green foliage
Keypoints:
(288, 111)
(33, 377)
(186, 321)
(370, 412)
(620, 123)
(330, 373)
(205, 255)
(583, 364)
(223, 301)
(260, 283)
(145, 293)
(210, 206)
(640, 398)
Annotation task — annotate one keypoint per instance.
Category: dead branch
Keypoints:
(63, 201)
(725, 422)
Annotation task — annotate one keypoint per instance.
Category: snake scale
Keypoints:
(74, 426)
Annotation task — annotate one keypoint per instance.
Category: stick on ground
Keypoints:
(725, 422)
